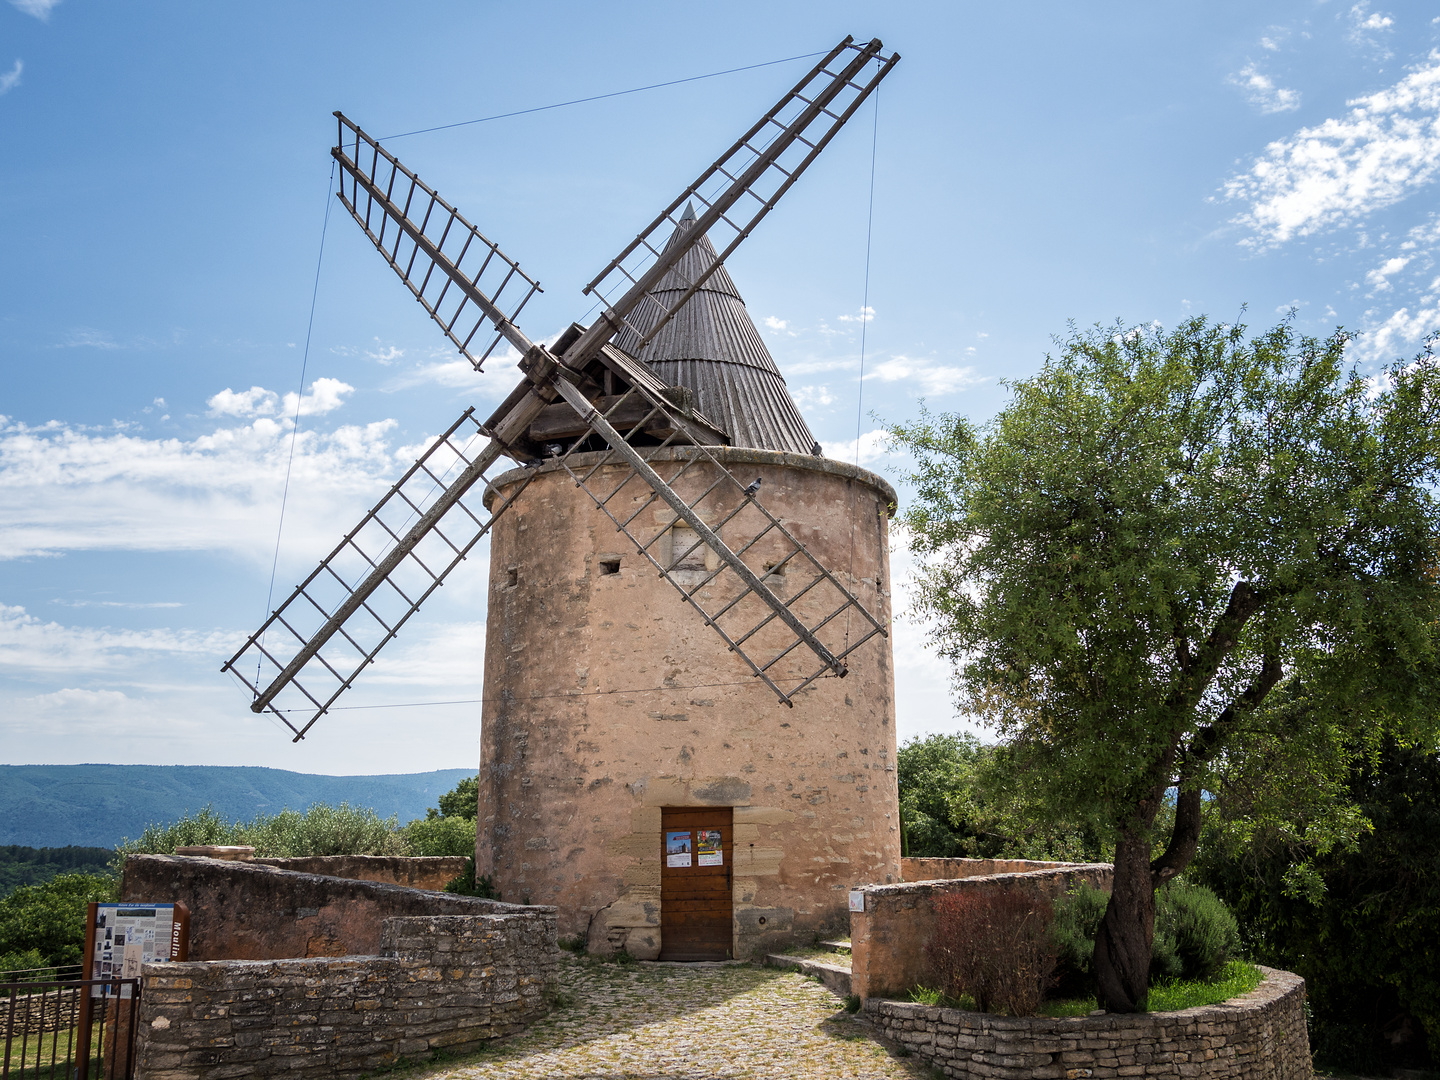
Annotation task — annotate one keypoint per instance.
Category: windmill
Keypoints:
(587, 405)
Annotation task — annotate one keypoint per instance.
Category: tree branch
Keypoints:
(1185, 837)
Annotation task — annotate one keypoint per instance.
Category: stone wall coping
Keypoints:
(726, 455)
(903, 888)
(384, 888)
(1275, 986)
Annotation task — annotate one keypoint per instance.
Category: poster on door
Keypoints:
(707, 848)
(677, 848)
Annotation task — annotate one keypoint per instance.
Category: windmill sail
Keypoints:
(419, 233)
(740, 187)
(314, 647)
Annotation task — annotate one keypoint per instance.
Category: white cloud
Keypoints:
(38, 8)
(1261, 91)
(873, 448)
(864, 315)
(934, 377)
(1406, 275)
(66, 489)
(775, 324)
(325, 395)
(809, 396)
(1386, 147)
(1366, 27)
(30, 645)
(1379, 278)
(257, 401)
(85, 338)
(11, 78)
(384, 354)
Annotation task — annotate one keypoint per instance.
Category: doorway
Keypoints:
(696, 901)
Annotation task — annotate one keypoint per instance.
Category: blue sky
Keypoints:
(163, 184)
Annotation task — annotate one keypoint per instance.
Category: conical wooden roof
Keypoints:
(712, 348)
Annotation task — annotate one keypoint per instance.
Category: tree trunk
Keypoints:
(1122, 947)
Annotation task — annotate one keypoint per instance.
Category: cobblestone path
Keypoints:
(663, 1022)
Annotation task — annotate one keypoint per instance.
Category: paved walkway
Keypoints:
(690, 1022)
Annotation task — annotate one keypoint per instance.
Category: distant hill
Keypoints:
(99, 805)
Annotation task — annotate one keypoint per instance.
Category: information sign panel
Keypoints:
(124, 936)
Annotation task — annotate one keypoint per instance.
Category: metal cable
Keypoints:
(600, 97)
(299, 399)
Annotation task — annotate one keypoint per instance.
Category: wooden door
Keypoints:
(696, 909)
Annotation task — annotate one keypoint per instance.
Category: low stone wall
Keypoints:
(443, 982)
(947, 869)
(250, 911)
(1258, 1036)
(419, 872)
(887, 939)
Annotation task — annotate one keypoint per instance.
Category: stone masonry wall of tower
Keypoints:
(607, 698)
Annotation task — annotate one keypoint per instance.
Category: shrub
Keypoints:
(320, 830)
(994, 946)
(1195, 931)
(1077, 921)
(441, 836)
(1195, 936)
(467, 884)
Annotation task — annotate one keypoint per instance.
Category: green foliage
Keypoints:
(1159, 530)
(461, 801)
(467, 885)
(49, 919)
(1362, 922)
(957, 800)
(1195, 936)
(320, 830)
(34, 866)
(29, 965)
(1077, 918)
(1233, 978)
(852, 1003)
(440, 836)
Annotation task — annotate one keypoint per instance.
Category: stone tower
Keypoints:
(618, 728)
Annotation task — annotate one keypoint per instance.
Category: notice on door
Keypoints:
(677, 848)
(707, 848)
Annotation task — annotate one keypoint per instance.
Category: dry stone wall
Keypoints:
(432, 872)
(1257, 1036)
(250, 911)
(447, 982)
(887, 939)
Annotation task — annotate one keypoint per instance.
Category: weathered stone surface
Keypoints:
(608, 699)
(887, 939)
(251, 911)
(432, 872)
(449, 981)
(1257, 1036)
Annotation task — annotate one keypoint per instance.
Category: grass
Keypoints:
(1236, 978)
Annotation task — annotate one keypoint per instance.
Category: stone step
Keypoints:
(838, 946)
(833, 977)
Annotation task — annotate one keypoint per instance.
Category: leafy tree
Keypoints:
(957, 800)
(461, 801)
(1156, 533)
(1360, 920)
(48, 920)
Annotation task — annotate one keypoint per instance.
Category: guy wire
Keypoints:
(299, 399)
(864, 325)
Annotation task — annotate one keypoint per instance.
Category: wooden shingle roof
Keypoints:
(712, 348)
